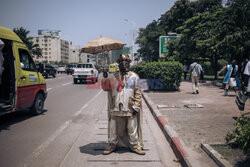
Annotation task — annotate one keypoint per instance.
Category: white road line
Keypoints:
(44, 145)
(76, 114)
(49, 89)
(87, 104)
(66, 83)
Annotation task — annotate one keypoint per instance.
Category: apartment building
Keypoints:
(74, 54)
(53, 48)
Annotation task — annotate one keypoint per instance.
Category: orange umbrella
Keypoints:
(101, 44)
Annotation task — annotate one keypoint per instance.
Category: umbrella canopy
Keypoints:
(101, 44)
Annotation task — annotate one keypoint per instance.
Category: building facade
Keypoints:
(53, 48)
(74, 54)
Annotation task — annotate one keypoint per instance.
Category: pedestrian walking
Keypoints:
(195, 72)
(244, 93)
(231, 78)
(185, 71)
(124, 108)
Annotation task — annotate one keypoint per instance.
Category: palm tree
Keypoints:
(23, 35)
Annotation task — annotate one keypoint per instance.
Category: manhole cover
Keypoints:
(194, 106)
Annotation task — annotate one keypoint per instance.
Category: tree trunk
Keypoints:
(215, 67)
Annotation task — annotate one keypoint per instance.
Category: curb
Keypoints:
(218, 158)
(176, 143)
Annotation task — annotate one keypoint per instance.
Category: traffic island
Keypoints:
(206, 117)
(217, 157)
(176, 144)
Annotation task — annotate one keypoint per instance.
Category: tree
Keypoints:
(23, 35)
(182, 10)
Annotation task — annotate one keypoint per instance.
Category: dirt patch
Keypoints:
(233, 154)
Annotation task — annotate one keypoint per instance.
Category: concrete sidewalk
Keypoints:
(201, 118)
(84, 141)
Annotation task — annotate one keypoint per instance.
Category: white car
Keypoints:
(61, 69)
(85, 72)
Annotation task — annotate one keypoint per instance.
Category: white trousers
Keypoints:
(195, 83)
(131, 129)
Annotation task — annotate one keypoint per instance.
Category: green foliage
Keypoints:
(23, 35)
(209, 32)
(169, 72)
(208, 69)
(218, 33)
(241, 135)
(139, 69)
(182, 10)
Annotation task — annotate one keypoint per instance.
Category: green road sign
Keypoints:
(163, 44)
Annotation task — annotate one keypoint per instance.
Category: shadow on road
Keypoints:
(98, 148)
(15, 117)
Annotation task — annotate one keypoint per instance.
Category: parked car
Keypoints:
(69, 68)
(85, 72)
(22, 86)
(61, 69)
(47, 70)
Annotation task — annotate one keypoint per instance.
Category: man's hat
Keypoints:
(123, 58)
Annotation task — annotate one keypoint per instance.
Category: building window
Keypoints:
(45, 44)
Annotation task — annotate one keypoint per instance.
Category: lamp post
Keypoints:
(133, 36)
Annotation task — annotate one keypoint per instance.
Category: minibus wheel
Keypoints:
(38, 104)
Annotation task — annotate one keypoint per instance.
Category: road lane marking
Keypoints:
(45, 144)
(66, 83)
(76, 114)
(49, 89)
(87, 104)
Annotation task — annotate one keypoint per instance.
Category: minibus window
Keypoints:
(26, 60)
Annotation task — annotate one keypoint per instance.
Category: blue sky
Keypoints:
(81, 21)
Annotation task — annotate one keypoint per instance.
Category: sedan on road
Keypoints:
(85, 72)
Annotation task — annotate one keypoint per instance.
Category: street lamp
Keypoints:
(133, 36)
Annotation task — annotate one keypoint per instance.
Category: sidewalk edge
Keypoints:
(217, 157)
(175, 142)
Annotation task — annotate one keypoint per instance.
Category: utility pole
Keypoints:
(133, 36)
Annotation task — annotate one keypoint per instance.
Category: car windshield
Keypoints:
(84, 66)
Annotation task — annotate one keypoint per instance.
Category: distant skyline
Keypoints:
(81, 21)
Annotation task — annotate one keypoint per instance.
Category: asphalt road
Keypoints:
(74, 117)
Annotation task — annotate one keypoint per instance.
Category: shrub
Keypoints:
(139, 69)
(168, 73)
(241, 135)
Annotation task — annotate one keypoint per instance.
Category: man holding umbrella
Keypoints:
(124, 108)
